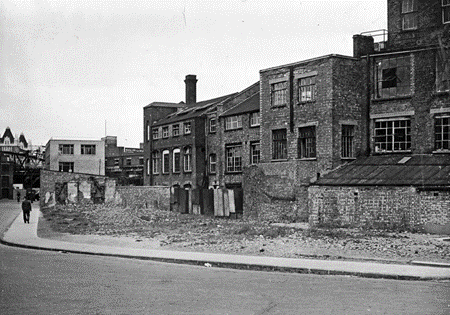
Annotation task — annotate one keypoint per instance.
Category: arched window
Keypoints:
(176, 161)
(187, 159)
(165, 162)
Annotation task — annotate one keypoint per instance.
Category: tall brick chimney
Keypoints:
(362, 45)
(191, 89)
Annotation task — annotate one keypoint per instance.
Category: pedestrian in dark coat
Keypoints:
(18, 196)
(26, 208)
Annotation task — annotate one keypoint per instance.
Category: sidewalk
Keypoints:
(25, 235)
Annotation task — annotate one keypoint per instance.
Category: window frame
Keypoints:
(62, 164)
(255, 146)
(212, 126)
(255, 119)
(445, 11)
(175, 130)
(176, 160)
(305, 84)
(62, 149)
(155, 133)
(85, 149)
(442, 133)
(390, 135)
(279, 146)
(155, 162)
(187, 159)
(409, 15)
(233, 122)
(165, 157)
(347, 141)
(165, 132)
(233, 158)
(278, 93)
(213, 164)
(307, 142)
(187, 128)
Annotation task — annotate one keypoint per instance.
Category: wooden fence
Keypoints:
(218, 202)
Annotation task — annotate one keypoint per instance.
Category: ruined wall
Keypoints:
(143, 196)
(273, 197)
(386, 207)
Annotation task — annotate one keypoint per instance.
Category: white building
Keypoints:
(79, 156)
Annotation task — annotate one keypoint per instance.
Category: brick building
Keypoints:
(409, 121)
(123, 163)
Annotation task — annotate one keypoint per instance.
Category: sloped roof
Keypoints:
(165, 104)
(391, 170)
(192, 110)
(248, 105)
(8, 134)
(23, 140)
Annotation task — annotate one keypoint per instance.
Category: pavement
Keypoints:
(25, 235)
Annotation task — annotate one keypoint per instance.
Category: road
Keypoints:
(42, 282)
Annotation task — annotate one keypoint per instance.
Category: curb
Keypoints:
(240, 266)
(430, 264)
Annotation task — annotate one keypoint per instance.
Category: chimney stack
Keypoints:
(362, 45)
(191, 89)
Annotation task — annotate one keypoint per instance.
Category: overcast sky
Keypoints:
(69, 66)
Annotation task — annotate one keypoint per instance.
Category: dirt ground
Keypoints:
(157, 229)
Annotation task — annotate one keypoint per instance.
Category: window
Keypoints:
(128, 162)
(155, 162)
(212, 125)
(148, 167)
(141, 161)
(279, 144)
(392, 77)
(307, 142)
(392, 135)
(155, 133)
(148, 131)
(88, 149)
(443, 70)
(348, 133)
(116, 162)
(306, 88)
(66, 148)
(66, 166)
(165, 132)
(409, 14)
(233, 154)
(213, 163)
(187, 128)
(442, 133)
(176, 161)
(255, 152)
(233, 122)
(254, 119)
(165, 162)
(175, 130)
(279, 93)
(445, 11)
(187, 159)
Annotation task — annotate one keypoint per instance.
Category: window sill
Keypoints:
(280, 160)
(439, 93)
(154, 174)
(235, 129)
(383, 99)
(305, 102)
(233, 173)
(308, 159)
(441, 152)
(278, 106)
(255, 126)
(187, 172)
(348, 158)
(392, 152)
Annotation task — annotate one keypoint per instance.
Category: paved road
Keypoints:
(41, 282)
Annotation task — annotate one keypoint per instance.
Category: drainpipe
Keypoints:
(291, 99)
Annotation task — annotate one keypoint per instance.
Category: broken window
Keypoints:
(255, 119)
(187, 159)
(66, 149)
(392, 77)
(66, 166)
(233, 155)
(165, 132)
(187, 128)
(155, 133)
(306, 89)
(155, 162)
(279, 93)
(279, 144)
(392, 135)
(176, 130)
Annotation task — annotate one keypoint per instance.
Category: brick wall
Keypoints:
(379, 206)
(144, 197)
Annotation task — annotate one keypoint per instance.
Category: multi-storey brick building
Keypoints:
(408, 173)
(123, 163)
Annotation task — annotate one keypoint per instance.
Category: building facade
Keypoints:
(124, 164)
(78, 156)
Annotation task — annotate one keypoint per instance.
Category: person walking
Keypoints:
(26, 208)
(18, 195)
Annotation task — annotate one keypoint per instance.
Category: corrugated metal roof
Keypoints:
(380, 170)
(248, 105)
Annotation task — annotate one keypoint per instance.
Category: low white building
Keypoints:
(78, 156)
